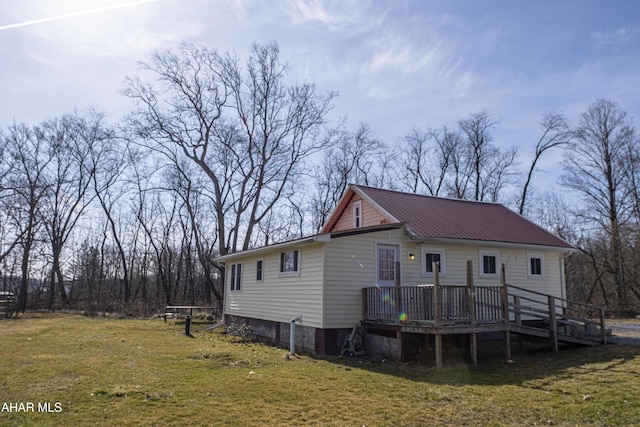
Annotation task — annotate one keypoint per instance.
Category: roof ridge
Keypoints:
(453, 199)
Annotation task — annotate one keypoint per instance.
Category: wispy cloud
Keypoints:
(403, 58)
(617, 37)
(74, 14)
(333, 15)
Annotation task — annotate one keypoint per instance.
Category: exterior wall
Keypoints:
(307, 338)
(516, 268)
(349, 267)
(370, 216)
(279, 297)
(328, 290)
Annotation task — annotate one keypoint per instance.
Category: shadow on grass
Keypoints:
(531, 362)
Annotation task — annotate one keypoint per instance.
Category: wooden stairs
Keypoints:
(559, 320)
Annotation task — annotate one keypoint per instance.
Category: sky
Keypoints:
(395, 64)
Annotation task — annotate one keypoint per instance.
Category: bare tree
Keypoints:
(597, 166)
(27, 148)
(477, 130)
(351, 159)
(489, 168)
(555, 133)
(427, 158)
(282, 126)
(461, 167)
(500, 171)
(247, 130)
(187, 185)
(70, 170)
(108, 160)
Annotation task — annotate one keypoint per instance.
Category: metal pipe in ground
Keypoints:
(292, 334)
(187, 326)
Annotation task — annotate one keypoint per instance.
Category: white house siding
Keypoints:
(455, 269)
(350, 266)
(279, 297)
(370, 216)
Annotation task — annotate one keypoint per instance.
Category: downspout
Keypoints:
(292, 334)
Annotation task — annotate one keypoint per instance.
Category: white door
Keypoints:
(386, 257)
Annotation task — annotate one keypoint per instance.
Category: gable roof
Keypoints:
(429, 217)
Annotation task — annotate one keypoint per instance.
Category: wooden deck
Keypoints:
(446, 310)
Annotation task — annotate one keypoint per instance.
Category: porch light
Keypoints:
(411, 256)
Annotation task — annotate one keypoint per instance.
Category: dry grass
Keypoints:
(144, 372)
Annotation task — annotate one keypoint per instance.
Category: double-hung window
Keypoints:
(259, 270)
(429, 256)
(535, 263)
(357, 214)
(236, 276)
(290, 262)
(489, 263)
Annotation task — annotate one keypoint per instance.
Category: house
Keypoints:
(378, 242)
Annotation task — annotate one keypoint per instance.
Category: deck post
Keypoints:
(437, 307)
(399, 306)
(365, 308)
(438, 349)
(603, 328)
(400, 338)
(504, 295)
(553, 323)
(471, 293)
(437, 314)
(518, 312)
(471, 299)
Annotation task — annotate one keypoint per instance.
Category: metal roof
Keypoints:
(428, 217)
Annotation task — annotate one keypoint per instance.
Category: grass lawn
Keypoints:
(97, 371)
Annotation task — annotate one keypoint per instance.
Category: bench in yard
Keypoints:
(185, 310)
(7, 301)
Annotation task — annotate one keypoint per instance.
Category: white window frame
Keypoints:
(432, 250)
(260, 261)
(235, 279)
(535, 255)
(488, 252)
(357, 214)
(396, 258)
(297, 264)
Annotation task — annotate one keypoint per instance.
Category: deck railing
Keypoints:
(417, 304)
(452, 305)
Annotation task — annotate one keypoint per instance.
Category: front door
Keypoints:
(386, 258)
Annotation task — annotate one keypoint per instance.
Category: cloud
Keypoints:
(399, 57)
(336, 16)
(398, 64)
(617, 37)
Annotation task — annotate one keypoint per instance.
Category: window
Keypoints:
(289, 262)
(488, 263)
(535, 263)
(386, 265)
(236, 276)
(429, 256)
(357, 214)
(259, 265)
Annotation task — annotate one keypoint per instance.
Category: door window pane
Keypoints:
(386, 264)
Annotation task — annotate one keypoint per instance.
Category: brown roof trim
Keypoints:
(370, 229)
(316, 238)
